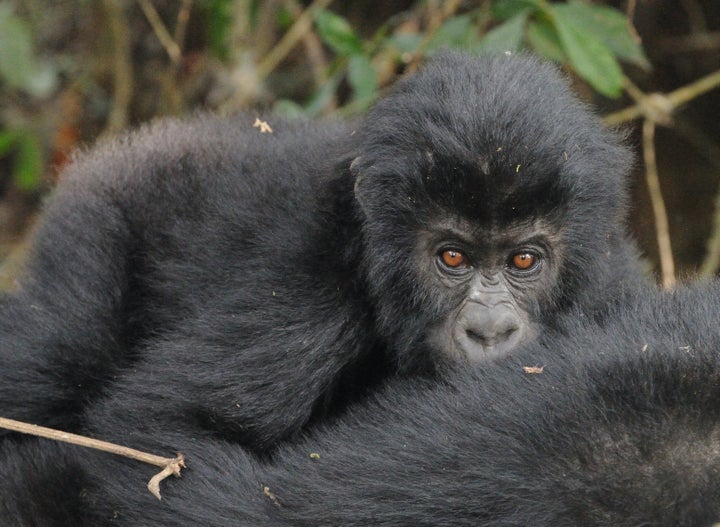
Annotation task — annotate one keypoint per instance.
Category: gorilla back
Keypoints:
(619, 428)
(274, 277)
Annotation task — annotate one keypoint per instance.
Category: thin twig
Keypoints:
(704, 42)
(706, 147)
(163, 35)
(676, 98)
(695, 89)
(711, 262)
(448, 10)
(170, 466)
(302, 25)
(312, 44)
(170, 86)
(662, 232)
(183, 17)
(654, 106)
(632, 4)
(658, 109)
(122, 67)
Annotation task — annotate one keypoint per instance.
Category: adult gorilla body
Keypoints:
(257, 281)
(621, 428)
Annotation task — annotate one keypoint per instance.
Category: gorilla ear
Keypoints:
(357, 189)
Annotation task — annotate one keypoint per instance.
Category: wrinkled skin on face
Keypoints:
(493, 283)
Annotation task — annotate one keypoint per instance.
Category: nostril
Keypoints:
(508, 334)
(480, 338)
(492, 333)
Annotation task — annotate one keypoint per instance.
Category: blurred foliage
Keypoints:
(19, 67)
(219, 22)
(20, 70)
(591, 39)
(74, 70)
(28, 159)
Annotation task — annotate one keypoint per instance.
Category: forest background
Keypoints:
(73, 71)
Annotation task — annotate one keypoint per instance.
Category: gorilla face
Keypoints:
(491, 198)
(492, 284)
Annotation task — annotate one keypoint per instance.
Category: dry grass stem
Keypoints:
(170, 466)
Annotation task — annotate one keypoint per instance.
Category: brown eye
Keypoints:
(454, 259)
(523, 261)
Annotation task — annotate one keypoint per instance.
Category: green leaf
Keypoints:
(284, 18)
(336, 32)
(505, 37)
(611, 27)
(289, 109)
(590, 57)
(506, 9)
(28, 162)
(362, 78)
(543, 38)
(16, 57)
(8, 138)
(219, 23)
(405, 42)
(456, 32)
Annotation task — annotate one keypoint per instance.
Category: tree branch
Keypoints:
(170, 466)
(122, 67)
(658, 109)
(302, 25)
(662, 231)
(163, 35)
(675, 99)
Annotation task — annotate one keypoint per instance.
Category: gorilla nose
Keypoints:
(489, 332)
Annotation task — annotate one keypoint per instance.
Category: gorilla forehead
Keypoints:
(497, 136)
(482, 106)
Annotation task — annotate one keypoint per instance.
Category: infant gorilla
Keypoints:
(222, 282)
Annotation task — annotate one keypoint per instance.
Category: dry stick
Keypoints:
(168, 79)
(632, 4)
(183, 17)
(448, 10)
(170, 466)
(312, 43)
(711, 263)
(667, 265)
(163, 35)
(122, 67)
(658, 109)
(676, 98)
(302, 25)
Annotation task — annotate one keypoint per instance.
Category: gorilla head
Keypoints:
(492, 199)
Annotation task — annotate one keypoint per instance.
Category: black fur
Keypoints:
(621, 428)
(242, 285)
